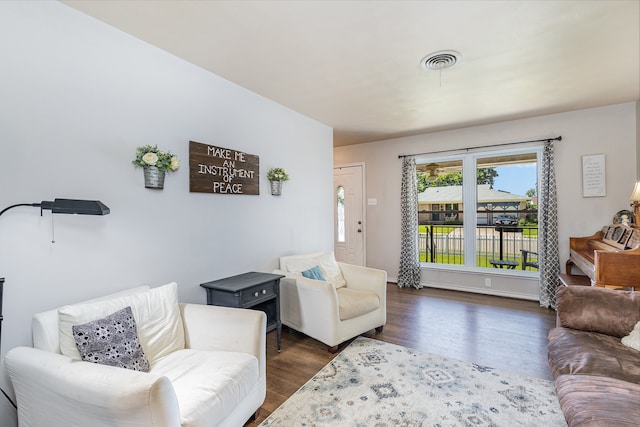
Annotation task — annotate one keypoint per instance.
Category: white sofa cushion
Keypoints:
(157, 316)
(327, 263)
(353, 303)
(45, 325)
(209, 385)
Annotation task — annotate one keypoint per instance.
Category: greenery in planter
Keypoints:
(277, 174)
(151, 155)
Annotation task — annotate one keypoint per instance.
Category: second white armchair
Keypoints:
(349, 301)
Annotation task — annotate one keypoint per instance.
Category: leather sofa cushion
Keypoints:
(607, 311)
(590, 401)
(591, 353)
(209, 385)
(354, 303)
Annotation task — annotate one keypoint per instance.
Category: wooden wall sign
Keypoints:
(222, 170)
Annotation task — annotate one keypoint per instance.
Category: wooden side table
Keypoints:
(256, 291)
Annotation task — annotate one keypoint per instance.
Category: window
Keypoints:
(490, 196)
(340, 214)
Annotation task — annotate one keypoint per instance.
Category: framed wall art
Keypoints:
(593, 176)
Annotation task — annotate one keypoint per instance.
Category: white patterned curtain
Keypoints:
(548, 239)
(409, 274)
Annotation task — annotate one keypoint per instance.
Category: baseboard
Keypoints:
(482, 291)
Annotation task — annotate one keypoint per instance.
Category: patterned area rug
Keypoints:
(373, 383)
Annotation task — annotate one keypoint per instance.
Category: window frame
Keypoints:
(469, 198)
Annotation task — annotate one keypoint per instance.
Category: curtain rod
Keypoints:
(558, 138)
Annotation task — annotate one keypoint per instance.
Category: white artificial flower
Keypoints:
(175, 163)
(150, 158)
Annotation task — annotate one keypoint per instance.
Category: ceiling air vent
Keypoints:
(441, 60)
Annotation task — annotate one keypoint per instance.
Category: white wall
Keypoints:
(638, 140)
(610, 130)
(76, 99)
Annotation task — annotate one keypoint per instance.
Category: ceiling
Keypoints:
(355, 65)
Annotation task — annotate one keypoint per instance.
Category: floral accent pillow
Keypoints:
(112, 340)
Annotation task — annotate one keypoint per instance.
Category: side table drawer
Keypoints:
(257, 293)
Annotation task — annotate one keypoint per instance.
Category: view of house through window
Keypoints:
(479, 210)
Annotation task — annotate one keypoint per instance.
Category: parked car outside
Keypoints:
(506, 220)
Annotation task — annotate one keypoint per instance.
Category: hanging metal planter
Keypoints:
(276, 177)
(276, 188)
(153, 177)
(155, 163)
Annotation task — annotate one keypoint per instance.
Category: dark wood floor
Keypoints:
(503, 333)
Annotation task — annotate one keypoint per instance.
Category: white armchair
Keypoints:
(350, 301)
(209, 372)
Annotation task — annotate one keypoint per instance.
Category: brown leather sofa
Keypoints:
(597, 378)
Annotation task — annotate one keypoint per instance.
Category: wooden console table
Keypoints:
(257, 291)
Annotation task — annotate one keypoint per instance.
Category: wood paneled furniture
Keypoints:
(610, 258)
(574, 280)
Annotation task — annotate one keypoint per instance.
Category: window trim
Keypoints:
(469, 198)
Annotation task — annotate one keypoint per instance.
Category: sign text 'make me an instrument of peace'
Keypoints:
(222, 170)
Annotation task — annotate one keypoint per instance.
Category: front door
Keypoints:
(349, 214)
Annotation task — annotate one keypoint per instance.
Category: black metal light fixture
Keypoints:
(62, 206)
(68, 206)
